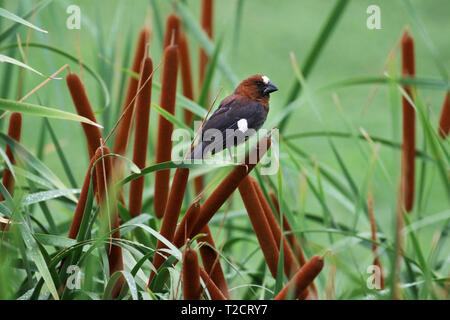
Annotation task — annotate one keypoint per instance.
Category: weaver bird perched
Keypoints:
(239, 116)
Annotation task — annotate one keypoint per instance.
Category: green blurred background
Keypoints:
(268, 32)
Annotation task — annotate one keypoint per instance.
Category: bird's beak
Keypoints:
(270, 87)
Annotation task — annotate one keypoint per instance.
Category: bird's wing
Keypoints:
(237, 113)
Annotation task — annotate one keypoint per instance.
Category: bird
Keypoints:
(238, 116)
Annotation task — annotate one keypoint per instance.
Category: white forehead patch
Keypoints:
(265, 79)
(242, 125)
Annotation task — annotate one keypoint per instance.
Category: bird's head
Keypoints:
(257, 87)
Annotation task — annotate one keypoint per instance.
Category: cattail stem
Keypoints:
(210, 259)
(213, 290)
(302, 279)
(165, 128)
(290, 264)
(104, 178)
(171, 214)
(229, 184)
(123, 129)
(409, 126)
(81, 102)
(143, 102)
(186, 75)
(444, 120)
(14, 132)
(172, 33)
(191, 275)
(260, 224)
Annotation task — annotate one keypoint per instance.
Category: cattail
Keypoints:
(172, 30)
(409, 125)
(14, 132)
(295, 245)
(292, 240)
(210, 259)
(191, 275)
(81, 204)
(373, 229)
(290, 264)
(143, 102)
(213, 290)
(81, 102)
(260, 224)
(123, 129)
(229, 184)
(444, 120)
(207, 25)
(186, 75)
(302, 279)
(165, 128)
(104, 178)
(186, 225)
(188, 92)
(171, 214)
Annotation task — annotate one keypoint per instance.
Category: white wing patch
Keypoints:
(242, 125)
(265, 79)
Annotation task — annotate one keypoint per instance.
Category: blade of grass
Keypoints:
(205, 42)
(42, 111)
(61, 155)
(72, 58)
(41, 5)
(315, 51)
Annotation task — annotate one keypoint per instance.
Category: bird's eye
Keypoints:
(260, 84)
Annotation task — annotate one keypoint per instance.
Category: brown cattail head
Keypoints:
(229, 184)
(81, 102)
(260, 224)
(165, 128)
(210, 259)
(81, 204)
(186, 75)
(444, 120)
(302, 279)
(408, 63)
(143, 102)
(213, 290)
(14, 132)
(409, 126)
(171, 214)
(123, 129)
(191, 275)
(290, 263)
(104, 174)
(207, 25)
(172, 33)
(295, 245)
(186, 225)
